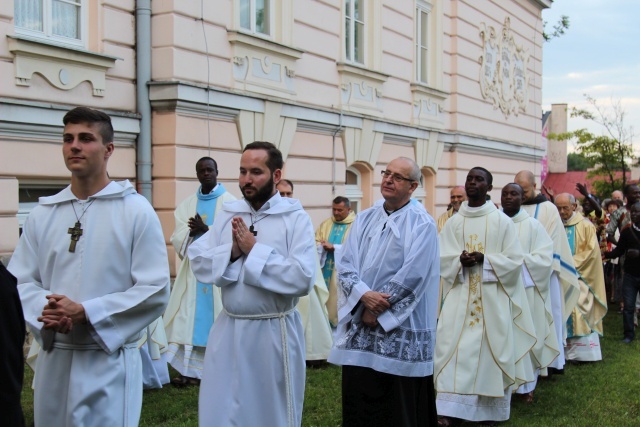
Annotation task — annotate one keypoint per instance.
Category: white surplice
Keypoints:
(119, 272)
(396, 254)
(179, 319)
(254, 369)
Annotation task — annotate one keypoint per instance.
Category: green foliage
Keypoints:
(603, 394)
(609, 153)
(577, 162)
(558, 29)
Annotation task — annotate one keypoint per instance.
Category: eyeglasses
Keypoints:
(395, 176)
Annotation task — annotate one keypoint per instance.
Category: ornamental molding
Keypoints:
(504, 77)
(63, 67)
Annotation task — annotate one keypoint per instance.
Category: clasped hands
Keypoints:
(375, 304)
(243, 239)
(471, 259)
(197, 226)
(60, 314)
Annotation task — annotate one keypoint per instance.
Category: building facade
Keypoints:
(340, 86)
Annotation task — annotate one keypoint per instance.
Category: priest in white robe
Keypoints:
(100, 281)
(537, 248)
(388, 279)
(564, 288)
(261, 254)
(193, 306)
(482, 293)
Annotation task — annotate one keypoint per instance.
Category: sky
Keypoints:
(598, 55)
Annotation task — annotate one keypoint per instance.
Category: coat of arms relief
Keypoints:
(504, 77)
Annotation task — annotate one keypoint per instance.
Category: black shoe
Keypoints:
(627, 340)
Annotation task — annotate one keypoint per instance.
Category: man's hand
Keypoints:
(61, 313)
(327, 246)
(369, 319)
(376, 302)
(582, 188)
(244, 238)
(197, 226)
(471, 259)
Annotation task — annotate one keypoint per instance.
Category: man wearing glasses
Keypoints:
(388, 277)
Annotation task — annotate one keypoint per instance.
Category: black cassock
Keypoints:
(12, 334)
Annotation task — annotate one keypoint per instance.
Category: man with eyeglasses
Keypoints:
(458, 195)
(329, 238)
(388, 276)
(476, 353)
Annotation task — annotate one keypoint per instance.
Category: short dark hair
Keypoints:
(274, 160)
(215, 164)
(342, 199)
(517, 185)
(286, 181)
(486, 172)
(88, 115)
(610, 202)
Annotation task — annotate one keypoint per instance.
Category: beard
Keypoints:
(261, 194)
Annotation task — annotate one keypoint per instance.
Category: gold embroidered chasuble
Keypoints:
(537, 248)
(587, 316)
(481, 331)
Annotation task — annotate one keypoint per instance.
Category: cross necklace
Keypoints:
(251, 228)
(76, 230)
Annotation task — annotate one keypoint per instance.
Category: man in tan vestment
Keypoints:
(458, 195)
(329, 237)
(584, 326)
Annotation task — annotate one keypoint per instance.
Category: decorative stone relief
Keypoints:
(64, 68)
(428, 106)
(361, 89)
(504, 78)
(263, 66)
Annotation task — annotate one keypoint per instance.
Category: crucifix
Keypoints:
(76, 232)
(253, 231)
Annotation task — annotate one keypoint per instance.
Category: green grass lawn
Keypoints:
(605, 393)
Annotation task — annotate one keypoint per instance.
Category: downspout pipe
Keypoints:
(143, 77)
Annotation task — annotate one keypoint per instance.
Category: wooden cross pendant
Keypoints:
(253, 230)
(76, 232)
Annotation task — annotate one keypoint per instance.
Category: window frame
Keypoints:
(252, 19)
(350, 49)
(423, 51)
(354, 192)
(47, 25)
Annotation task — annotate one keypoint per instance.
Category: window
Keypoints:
(354, 31)
(56, 20)
(255, 16)
(28, 196)
(422, 42)
(353, 189)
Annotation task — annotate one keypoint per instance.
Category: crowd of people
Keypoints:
(433, 322)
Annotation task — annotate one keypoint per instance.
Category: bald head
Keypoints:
(566, 205)
(527, 181)
(458, 195)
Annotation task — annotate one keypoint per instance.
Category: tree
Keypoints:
(611, 152)
(577, 162)
(561, 26)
